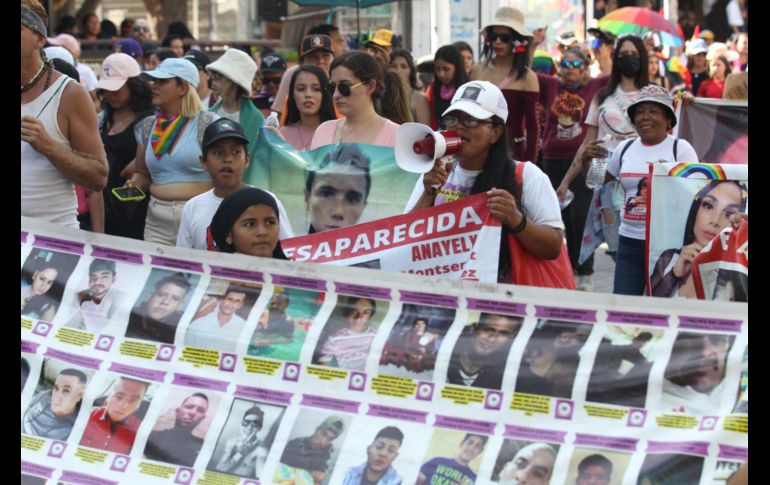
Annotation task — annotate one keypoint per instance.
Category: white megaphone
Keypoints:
(418, 146)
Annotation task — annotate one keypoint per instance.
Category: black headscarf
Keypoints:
(230, 210)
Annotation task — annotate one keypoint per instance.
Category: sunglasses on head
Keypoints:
(573, 63)
(343, 87)
(453, 121)
(504, 38)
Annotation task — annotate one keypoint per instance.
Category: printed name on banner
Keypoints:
(261, 366)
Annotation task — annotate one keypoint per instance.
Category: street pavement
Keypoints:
(604, 270)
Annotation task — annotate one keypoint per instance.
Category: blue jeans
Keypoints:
(629, 267)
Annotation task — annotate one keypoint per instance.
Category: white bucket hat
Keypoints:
(511, 18)
(236, 66)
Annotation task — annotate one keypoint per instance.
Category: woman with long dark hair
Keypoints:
(356, 83)
(449, 75)
(401, 63)
(126, 100)
(528, 208)
(505, 61)
(309, 104)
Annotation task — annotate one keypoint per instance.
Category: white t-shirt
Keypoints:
(539, 201)
(207, 333)
(734, 16)
(635, 169)
(87, 76)
(611, 117)
(198, 212)
(235, 116)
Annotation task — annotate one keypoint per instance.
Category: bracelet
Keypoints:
(521, 226)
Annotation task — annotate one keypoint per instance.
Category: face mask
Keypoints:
(629, 65)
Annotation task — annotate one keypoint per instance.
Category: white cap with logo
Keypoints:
(480, 99)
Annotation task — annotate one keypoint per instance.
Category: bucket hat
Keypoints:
(511, 18)
(653, 93)
(236, 66)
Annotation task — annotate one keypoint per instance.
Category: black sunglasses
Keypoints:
(344, 87)
(504, 38)
(271, 80)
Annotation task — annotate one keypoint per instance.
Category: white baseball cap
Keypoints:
(480, 99)
(117, 68)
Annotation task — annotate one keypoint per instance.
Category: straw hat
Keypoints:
(511, 18)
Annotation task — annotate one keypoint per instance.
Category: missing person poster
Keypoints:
(690, 205)
(332, 186)
(213, 368)
(718, 129)
(457, 240)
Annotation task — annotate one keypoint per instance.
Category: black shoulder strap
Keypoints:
(623, 152)
(676, 142)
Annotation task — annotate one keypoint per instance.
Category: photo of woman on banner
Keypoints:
(336, 191)
(347, 336)
(524, 462)
(694, 381)
(622, 366)
(481, 351)
(665, 468)
(246, 438)
(43, 277)
(709, 213)
(57, 402)
(551, 358)
(414, 341)
(163, 300)
(283, 325)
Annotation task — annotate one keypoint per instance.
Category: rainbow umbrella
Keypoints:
(637, 20)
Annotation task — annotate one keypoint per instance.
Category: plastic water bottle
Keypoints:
(598, 168)
(569, 196)
(272, 120)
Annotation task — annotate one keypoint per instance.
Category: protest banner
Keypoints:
(443, 379)
(457, 240)
(718, 129)
(689, 205)
(332, 186)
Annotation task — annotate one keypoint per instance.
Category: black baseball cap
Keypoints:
(220, 129)
(198, 57)
(312, 43)
(604, 35)
(273, 63)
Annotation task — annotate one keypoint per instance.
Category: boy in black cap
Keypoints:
(272, 70)
(225, 157)
(201, 60)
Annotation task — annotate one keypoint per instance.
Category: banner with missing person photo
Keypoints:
(332, 186)
(149, 364)
(718, 129)
(690, 205)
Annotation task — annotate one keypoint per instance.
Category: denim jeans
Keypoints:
(629, 267)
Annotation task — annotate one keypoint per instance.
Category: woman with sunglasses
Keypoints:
(357, 82)
(566, 100)
(168, 148)
(449, 75)
(401, 63)
(506, 57)
(607, 115)
(309, 105)
(528, 208)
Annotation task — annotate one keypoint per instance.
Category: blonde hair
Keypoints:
(190, 104)
(737, 86)
(231, 90)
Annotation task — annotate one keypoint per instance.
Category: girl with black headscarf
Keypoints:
(247, 223)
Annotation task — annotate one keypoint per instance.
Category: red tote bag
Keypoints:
(529, 270)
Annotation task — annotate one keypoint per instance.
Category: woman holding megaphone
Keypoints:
(521, 197)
